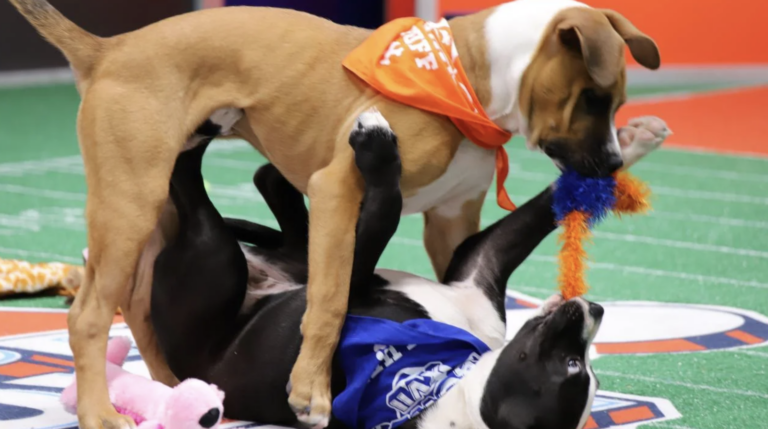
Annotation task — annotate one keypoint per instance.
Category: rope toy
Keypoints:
(579, 204)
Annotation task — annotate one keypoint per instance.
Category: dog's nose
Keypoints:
(596, 310)
(210, 418)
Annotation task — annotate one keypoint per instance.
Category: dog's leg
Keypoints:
(445, 227)
(200, 278)
(335, 193)
(254, 233)
(378, 160)
(490, 256)
(128, 162)
(287, 205)
(136, 306)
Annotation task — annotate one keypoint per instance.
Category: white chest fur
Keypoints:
(468, 175)
(462, 305)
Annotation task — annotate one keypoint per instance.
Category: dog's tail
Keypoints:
(79, 46)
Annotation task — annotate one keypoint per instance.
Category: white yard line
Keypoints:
(705, 151)
(727, 221)
(551, 291)
(667, 425)
(625, 268)
(709, 195)
(686, 217)
(683, 384)
(664, 273)
(680, 244)
(631, 238)
(659, 167)
(251, 166)
(45, 193)
(706, 173)
(244, 191)
(53, 257)
(750, 353)
(656, 189)
(65, 164)
(36, 221)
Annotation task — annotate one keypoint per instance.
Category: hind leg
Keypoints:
(199, 279)
(127, 170)
(287, 205)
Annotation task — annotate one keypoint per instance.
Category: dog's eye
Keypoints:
(574, 366)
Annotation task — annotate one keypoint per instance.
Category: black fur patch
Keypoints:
(208, 129)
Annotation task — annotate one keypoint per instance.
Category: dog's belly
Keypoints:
(469, 174)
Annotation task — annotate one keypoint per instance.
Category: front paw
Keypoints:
(642, 136)
(375, 146)
(104, 419)
(309, 394)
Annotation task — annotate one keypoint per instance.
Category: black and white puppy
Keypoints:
(230, 313)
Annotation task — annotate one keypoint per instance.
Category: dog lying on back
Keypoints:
(230, 313)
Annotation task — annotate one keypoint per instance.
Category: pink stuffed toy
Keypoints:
(193, 404)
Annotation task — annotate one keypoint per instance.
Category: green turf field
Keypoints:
(706, 242)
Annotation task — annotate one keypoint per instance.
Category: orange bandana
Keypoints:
(416, 63)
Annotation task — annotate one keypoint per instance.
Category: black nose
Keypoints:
(596, 310)
(611, 164)
(210, 418)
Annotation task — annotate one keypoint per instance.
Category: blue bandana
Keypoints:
(396, 370)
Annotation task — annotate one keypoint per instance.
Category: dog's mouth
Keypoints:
(576, 316)
(597, 162)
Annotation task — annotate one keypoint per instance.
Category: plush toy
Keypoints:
(17, 277)
(193, 404)
(580, 203)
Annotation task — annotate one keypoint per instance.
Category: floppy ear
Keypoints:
(642, 47)
(588, 32)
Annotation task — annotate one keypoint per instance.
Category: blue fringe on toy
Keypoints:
(593, 196)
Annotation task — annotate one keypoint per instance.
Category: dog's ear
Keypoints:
(590, 34)
(642, 47)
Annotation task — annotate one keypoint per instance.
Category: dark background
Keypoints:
(21, 48)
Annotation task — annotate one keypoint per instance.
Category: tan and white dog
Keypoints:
(552, 70)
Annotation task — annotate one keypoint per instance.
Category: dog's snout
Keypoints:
(210, 418)
(596, 310)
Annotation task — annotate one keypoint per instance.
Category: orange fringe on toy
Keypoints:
(572, 255)
(631, 198)
(631, 195)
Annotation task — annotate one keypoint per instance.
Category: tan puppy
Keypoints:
(552, 70)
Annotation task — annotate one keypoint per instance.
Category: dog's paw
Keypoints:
(640, 137)
(652, 124)
(375, 146)
(105, 420)
(309, 396)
